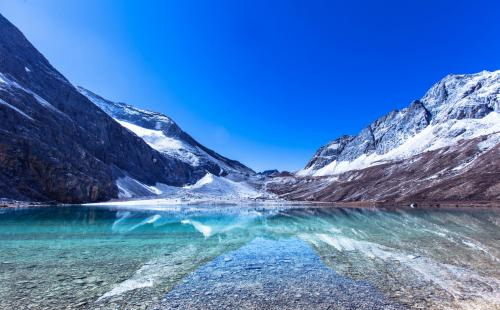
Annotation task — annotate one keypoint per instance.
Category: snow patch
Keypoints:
(208, 189)
(207, 179)
(16, 109)
(6, 83)
(431, 138)
(155, 138)
(129, 188)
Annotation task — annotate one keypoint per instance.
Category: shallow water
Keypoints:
(211, 257)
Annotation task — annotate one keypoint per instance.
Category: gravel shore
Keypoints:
(269, 274)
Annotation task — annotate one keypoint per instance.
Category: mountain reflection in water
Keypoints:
(91, 258)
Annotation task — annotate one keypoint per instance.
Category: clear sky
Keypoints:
(264, 82)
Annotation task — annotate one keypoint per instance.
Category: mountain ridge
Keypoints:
(67, 144)
(182, 145)
(444, 147)
(55, 144)
(395, 128)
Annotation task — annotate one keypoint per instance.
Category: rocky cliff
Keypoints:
(443, 147)
(55, 144)
(164, 135)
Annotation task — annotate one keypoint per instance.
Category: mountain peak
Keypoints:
(56, 144)
(164, 135)
(467, 97)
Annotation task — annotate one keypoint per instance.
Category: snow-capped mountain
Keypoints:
(56, 145)
(163, 134)
(66, 144)
(443, 147)
(457, 107)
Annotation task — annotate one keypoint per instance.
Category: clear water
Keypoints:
(216, 257)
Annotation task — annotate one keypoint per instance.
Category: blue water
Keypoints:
(211, 257)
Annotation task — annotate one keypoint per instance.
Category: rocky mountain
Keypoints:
(57, 145)
(163, 134)
(444, 146)
(66, 144)
(457, 107)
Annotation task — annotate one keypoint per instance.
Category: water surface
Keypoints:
(212, 257)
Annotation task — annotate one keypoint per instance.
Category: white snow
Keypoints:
(158, 134)
(334, 146)
(209, 189)
(453, 103)
(463, 90)
(129, 188)
(207, 179)
(155, 138)
(431, 138)
(16, 109)
(489, 143)
(7, 83)
(27, 69)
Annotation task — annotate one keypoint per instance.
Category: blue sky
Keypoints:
(263, 82)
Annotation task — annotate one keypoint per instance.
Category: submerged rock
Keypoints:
(303, 282)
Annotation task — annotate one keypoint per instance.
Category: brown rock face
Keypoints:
(458, 173)
(55, 144)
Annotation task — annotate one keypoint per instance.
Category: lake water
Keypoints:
(210, 257)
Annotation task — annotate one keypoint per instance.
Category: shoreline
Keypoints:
(13, 204)
(422, 205)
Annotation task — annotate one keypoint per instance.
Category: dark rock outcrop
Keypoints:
(57, 145)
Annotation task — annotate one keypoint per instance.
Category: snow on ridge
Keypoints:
(7, 83)
(219, 186)
(164, 135)
(16, 109)
(459, 93)
(210, 188)
(207, 179)
(120, 108)
(158, 141)
(155, 138)
(431, 138)
(455, 108)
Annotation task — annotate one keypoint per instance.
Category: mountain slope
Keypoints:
(164, 135)
(458, 107)
(443, 147)
(468, 171)
(57, 145)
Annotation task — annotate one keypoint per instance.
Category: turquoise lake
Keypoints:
(230, 257)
